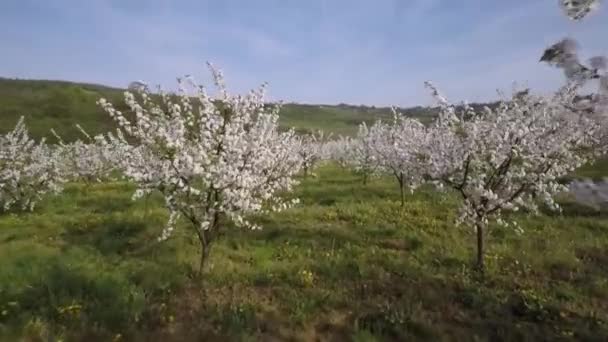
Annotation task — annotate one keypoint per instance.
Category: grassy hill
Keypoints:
(54, 104)
(60, 104)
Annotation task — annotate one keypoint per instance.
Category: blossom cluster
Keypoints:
(312, 151)
(92, 161)
(211, 158)
(386, 147)
(398, 148)
(338, 150)
(511, 156)
(28, 170)
(363, 153)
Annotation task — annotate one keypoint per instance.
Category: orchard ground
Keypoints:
(347, 264)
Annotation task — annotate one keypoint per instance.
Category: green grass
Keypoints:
(347, 264)
(596, 171)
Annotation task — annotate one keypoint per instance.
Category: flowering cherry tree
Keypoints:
(397, 148)
(363, 156)
(357, 153)
(92, 161)
(311, 151)
(212, 159)
(28, 170)
(338, 150)
(510, 157)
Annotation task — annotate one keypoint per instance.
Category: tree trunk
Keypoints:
(205, 242)
(479, 227)
(401, 189)
(204, 256)
(364, 178)
(206, 238)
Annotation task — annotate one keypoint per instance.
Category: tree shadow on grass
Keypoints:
(427, 308)
(78, 296)
(417, 307)
(107, 204)
(110, 235)
(595, 260)
(317, 237)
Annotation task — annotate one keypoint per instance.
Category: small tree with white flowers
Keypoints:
(212, 159)
(338, 150)
(363, 156)
(509, 157)
(397, 148)
(91, 161)
(312, 152)
(28, 170)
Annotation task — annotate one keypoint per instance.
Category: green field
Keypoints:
(348, 263)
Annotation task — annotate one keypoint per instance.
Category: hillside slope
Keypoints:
(60, 104)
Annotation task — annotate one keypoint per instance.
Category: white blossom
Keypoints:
(210, 158)
(94, 160)
(357, 153)
(312, 152)
(511, 156)
(397, 146)
(28, 170)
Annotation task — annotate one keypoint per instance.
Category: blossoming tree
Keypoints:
(28, 170)
(509, 157)
(91, 161)
(338, 150)
(397, 147)
(212, 159)
(362, 154)
(311, 151)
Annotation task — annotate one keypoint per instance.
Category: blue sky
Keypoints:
(315, 51)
